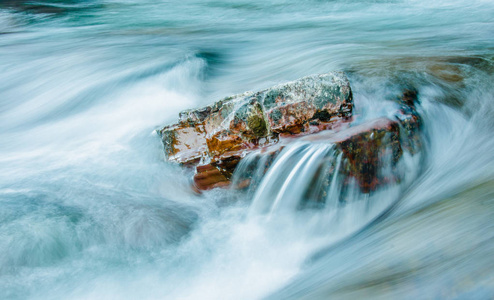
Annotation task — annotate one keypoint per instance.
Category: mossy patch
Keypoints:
(258, 125)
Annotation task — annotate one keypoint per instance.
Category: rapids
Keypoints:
(90, 210)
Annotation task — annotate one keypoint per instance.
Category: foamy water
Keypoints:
(90, 210)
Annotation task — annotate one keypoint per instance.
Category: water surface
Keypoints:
(90, 210)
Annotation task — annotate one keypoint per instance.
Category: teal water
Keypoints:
(89, 209)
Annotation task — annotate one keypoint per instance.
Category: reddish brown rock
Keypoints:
(208, 177)
(184, 144)
(214, 139)
(365, 151)
(291, 107)
(223, 131)
(364, 146)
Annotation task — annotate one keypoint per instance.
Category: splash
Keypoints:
(89, 210)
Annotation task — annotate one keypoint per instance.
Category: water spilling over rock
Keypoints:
(318, 108)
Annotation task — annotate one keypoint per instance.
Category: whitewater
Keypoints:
(90, 209)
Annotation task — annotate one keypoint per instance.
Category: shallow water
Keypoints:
(89, 209)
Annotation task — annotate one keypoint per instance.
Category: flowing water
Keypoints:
(90, 210)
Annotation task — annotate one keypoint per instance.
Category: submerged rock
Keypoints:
(365, 148)
(215, 138)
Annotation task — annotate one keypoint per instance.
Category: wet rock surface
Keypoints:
(318, 108)
(365, 149)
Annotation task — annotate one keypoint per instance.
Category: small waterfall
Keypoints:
(292, 176)
(311, 182)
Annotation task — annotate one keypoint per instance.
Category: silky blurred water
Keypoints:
(90, 210)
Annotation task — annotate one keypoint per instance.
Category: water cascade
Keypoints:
(90, 208)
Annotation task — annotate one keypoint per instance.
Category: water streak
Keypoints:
(89, 209)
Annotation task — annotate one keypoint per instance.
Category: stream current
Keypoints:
(89, 209)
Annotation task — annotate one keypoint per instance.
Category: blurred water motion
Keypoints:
(89, 210)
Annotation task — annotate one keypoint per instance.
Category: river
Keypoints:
(89, 209)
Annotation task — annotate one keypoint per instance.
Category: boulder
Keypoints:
(365, 147)
(215, 138)
(219, 135)
(369, 152)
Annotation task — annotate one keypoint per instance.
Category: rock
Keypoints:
(364, 146)
(209, 176)
(219, 134)
(293, 107)
(215, 138)
(410, 122)
(184, 144)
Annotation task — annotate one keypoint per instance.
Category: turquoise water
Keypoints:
(89, 209)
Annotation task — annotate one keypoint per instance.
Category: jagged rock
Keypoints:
(293, 107)
(364, 146)
(208, 176)
(218, 134)
(214, 139)
(410, 122)
(184, 143)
